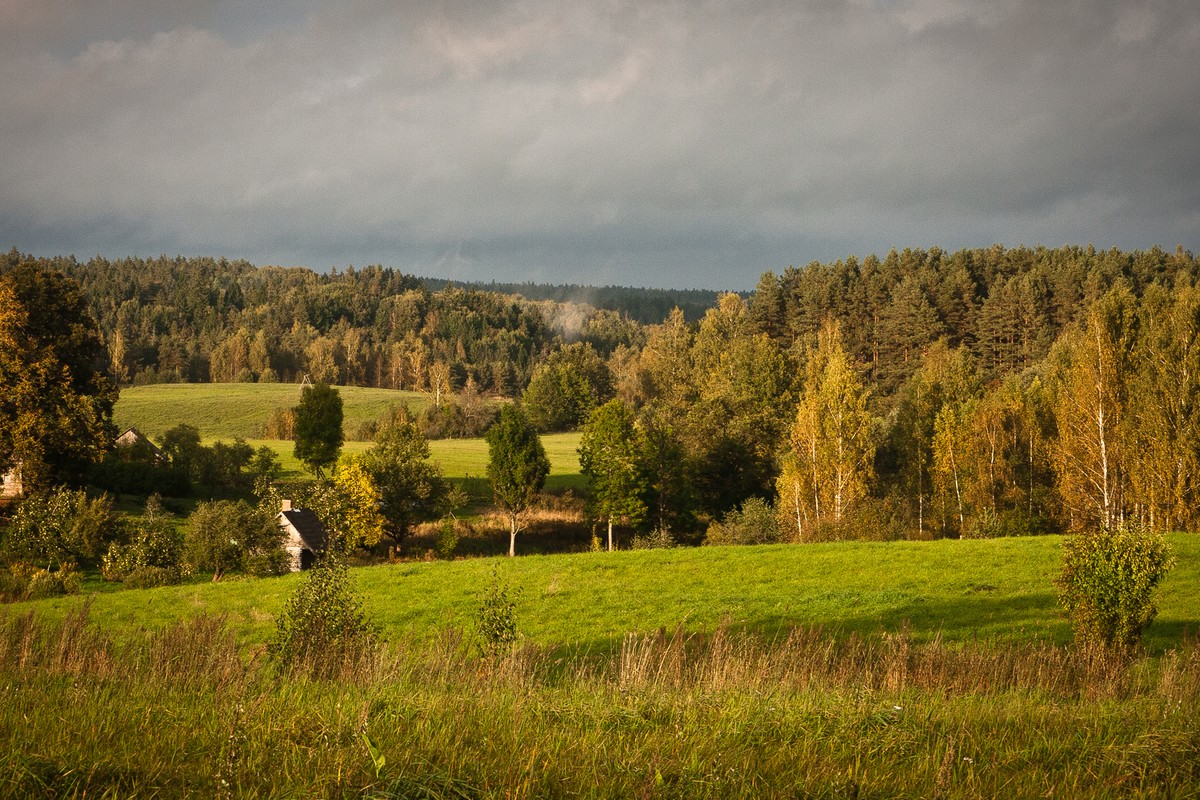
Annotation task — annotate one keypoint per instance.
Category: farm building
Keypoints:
(136, 441)
(305, 538)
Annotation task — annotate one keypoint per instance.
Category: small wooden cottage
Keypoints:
(304, 537)
(137, 442)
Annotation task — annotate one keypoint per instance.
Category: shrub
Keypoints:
(447, 538)
(322, 630)
(281, 424)
(457, 417)
(754, 523)
(62, 526)
(1108, 581)
(150, 577)
(496, 617)
(658, 539)
(154, 542)
(870, 520)
(985, 525)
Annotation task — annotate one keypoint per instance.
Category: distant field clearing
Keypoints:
(227, 410)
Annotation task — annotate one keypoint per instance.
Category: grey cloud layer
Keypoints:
(647, 143)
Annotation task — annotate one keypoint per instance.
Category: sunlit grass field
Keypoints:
(227, 410)
(852, 669)
(957, 590)
(867, 670)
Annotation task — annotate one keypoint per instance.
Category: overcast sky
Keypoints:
(673, 144)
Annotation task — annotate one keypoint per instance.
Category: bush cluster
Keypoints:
(753, 523)
(63, 527)
(153, 553)
(1108, 581)
(22, 581)
(322, 630)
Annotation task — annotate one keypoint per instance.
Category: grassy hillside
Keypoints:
(226, 410)
(954, 589)
(152, 695)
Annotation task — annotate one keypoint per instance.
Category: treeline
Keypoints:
(646, 306)
(201, 320)
(981, 392)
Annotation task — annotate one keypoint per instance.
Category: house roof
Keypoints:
(312, 531)
(133, 437)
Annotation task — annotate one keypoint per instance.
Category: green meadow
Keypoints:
(939, 669)
(228, 410)
(848, 670)
(997, 589)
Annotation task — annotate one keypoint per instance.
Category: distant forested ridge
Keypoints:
(647, 306)
(1006, 306)
(203, 319)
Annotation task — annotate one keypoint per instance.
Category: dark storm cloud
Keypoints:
(645, 143)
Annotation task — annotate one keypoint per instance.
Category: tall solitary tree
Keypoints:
(609, 455)
(318, 427)
(517, 466)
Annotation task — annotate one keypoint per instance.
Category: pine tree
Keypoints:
(907, 327)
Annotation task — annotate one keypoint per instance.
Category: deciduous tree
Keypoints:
(225, 536)
(1094, 420)
(566, 387)
(517, 466)
(833, 449)
(411, 488)
(609, 456)
(57, 399)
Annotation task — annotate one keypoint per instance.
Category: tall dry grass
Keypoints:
(810, 659)
(187, 711)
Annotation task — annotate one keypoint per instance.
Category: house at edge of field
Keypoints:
(138, 442)
(305, 537)
(10, 483)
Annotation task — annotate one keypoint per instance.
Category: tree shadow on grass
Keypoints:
(1003, 621)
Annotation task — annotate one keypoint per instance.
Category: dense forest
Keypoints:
(201, 320)
(925, 393)
(647, 306)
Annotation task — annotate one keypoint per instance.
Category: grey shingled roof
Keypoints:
(311, 531)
